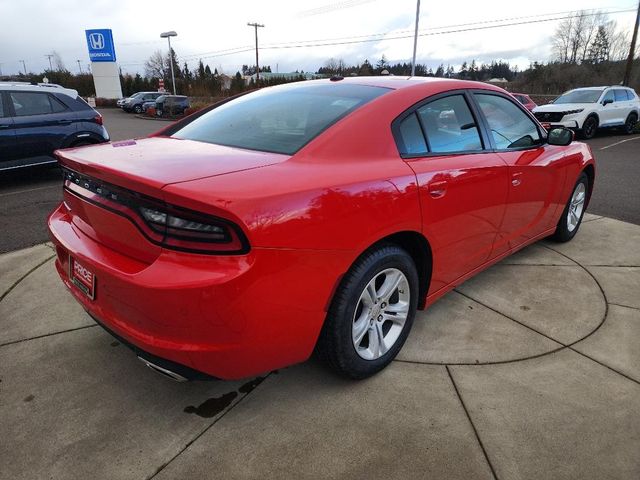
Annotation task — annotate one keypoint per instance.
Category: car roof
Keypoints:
(401, 82)
(40, 87)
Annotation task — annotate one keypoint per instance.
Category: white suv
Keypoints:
(587, 109)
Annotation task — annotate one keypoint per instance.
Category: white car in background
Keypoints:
(587, 109)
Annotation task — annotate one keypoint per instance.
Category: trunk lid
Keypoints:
(149, 164)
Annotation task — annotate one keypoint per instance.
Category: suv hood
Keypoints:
(563, 107)
(149, 164)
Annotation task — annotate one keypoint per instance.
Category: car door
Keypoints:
(42, 122)
(607, 114)
(8, 144)
(462, 186)
(536, 169)
(622, 105)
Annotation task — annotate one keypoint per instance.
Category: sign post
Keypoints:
(102, 54)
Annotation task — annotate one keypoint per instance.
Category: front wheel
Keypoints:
(589, 128)
(138, 109)
(573, 212)
(371, 314)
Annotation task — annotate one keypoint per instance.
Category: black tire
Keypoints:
(563, 232)
(336, 345)
(630, 123)
(137, 109)
(589, 128)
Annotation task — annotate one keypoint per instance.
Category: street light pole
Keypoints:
(415, 41)
(24, 65)
(255, 26)
(79, 66)
(168, 36)
(50, 65)
(632, 49)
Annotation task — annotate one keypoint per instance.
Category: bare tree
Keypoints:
(154, 67)
(618, 41)
(57, 61)
(562, 40)
(591, 25)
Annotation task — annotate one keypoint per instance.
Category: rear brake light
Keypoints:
(167, 225)
(98, 119)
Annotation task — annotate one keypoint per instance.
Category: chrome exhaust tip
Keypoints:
(163, 371)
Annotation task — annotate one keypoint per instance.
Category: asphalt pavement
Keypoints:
(27, 196)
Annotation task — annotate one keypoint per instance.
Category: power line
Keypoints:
(482, 25)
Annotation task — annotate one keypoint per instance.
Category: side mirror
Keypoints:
(560, 136)
(607, 101)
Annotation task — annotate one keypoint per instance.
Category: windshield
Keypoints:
(136, 95)
(280, 120)
(580, 96)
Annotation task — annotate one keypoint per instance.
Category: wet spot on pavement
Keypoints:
(211, 407)
(115, 344)
(525, 308)
(28, 398)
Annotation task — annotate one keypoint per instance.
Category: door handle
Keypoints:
(437, 189)
(515, 179)
(4, 126)
(64, 122)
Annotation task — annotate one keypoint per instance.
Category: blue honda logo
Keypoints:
(96, 40)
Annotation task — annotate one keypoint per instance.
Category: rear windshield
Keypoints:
(280, 120)
(580, 96)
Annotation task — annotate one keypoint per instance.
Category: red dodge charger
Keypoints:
(311, 216)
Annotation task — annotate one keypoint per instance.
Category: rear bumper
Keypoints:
(227, 316)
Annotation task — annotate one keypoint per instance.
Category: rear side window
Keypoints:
(620, 95)
(411, 135)
(280, 120)
(509, 125)
(1, 106)
(449, 125)
(35, 103)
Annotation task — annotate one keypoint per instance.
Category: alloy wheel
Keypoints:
(576, 206)
(381, 313)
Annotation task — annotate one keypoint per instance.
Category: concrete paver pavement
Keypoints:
(529, 370)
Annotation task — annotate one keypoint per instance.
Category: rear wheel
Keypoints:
(589, 128)
(630, 124)
(371, 314)
(571, 218)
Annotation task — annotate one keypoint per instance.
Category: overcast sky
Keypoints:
(29, 29)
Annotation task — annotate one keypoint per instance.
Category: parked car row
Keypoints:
(163, 103)
(36, 119)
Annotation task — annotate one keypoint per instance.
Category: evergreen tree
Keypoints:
(201, 71)
(599, 49)
(440, 71)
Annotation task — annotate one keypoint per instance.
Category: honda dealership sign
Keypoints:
(100, 43)
(102, 53)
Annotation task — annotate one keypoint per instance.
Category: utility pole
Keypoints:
(255, 27)
(415, 41)
(50, 65)
(632, 50)
(79, 66)
(24, 65)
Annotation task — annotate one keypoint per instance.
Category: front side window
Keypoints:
(1, 106)
(449, 125)
(608, 97)
(279, 120)
(510, 126)
(30, 103)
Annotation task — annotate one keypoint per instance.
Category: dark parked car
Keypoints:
(171, 105)
(35, 120)
(134, 102)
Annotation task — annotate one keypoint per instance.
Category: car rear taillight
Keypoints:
(163, 224)
(98, 119)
